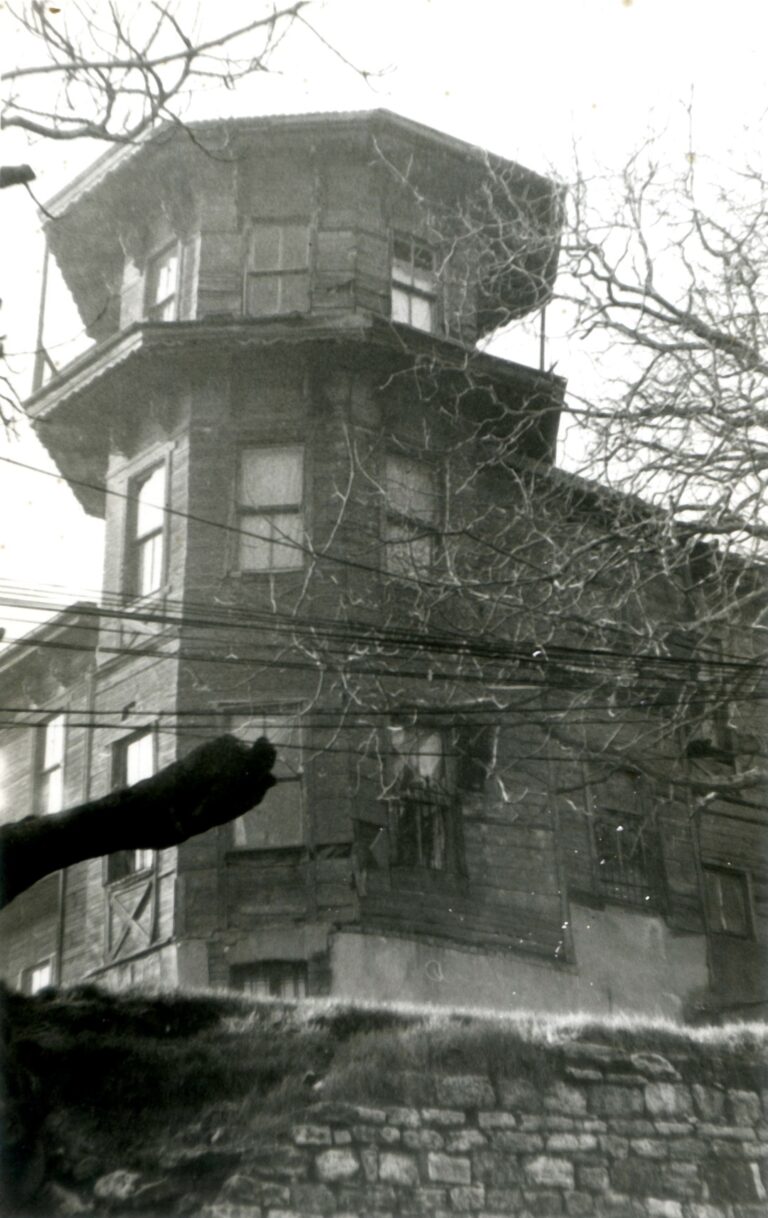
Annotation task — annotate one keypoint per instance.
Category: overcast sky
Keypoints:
(529, 79)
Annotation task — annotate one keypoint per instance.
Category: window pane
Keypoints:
(276, 822)
(150, 565)
(165, 275)
(143, 860)
(271, 477)
(294, 247)
(411, 489)
(53, 745)
(287, 539)
(265, 247)
(400, 305)
(255, 543)
(422, 313)
(52, 791)
(139, 758)
(294, 294)
(262, 295)
(150, 503)
(39, 977)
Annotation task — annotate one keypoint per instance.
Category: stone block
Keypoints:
(465, 1091)
(368, 1200)
(658, 1207)
(648, 1148)
(571, 1142)
(312, 1135)
(580, 1205)
(468, 1198)
(608, 1100)
(730, 1180)
(398, 1169)
(504, 1201)
(708, 1102)
(312, 1198)
(385, 1135)
(369, 1161)
(518, 1095)
(424, 1201)
(341, 1137)
(337, 1164)
(638, 1177)
(668, 1099)
(734, 1133)
(406, 1118)
(744, 1107)
(443, 1117)
(592, 1177)
(494, 1169)
(496, 1120)
(422, 1139)
(449, 1169)
(520, 1143)
(464, 1140)
(568, 1101)
(653, 1065)
(614, 1146)
(243, 1188)
(544, 1169)
(370, 1116)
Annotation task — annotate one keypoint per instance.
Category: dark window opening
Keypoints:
(412, 516)
(627, 851)
(162, 285)
(271, 978)
(727, 900)
(424, 812)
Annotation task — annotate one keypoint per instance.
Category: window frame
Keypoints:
(136, 543)
(614, 884)
(267, 510)
(421, 528)
(44, 772)
(741, 875)
(155, 308)
(291, 713)
(26, 976)
(424, 798)
(278, 273)
(128, 865)
(403, 280)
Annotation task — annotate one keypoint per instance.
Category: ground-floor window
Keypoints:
(271, 978)
(37, 977)
(727, 899)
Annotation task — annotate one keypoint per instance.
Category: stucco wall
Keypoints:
(624, 961)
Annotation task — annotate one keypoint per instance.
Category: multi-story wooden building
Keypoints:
(332, 518)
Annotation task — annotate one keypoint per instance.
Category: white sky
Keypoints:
(528, 79)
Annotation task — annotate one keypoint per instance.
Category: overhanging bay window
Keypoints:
(424, 811)
(134, 758)
(277, 822)
(146, 543)
(277, 277)
(414, 283)
(270, 508)
(412, 515)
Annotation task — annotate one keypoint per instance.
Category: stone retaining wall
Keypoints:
(617, 1136)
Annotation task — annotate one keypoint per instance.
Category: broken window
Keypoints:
(276, 822)
(424, 824)
(162, 285)
(626, 846)
(147, 542)
(271, 496)
(727, 900)
(133, 758)
(50, 774)
(412, 515)
(414, 283)
(271, 978)
(277, 277)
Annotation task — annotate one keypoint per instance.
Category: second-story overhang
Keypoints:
(76, 413)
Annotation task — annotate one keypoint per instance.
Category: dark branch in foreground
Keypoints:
(218, 781)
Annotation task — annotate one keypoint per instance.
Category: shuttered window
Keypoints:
(277, 278)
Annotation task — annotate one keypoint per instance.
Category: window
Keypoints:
(413, 516)
(37, 977)
(727, 901)
(271, 978)
(277, 279)
(271, 509)
(277, 821)
(627, 854)
(146, 559)
(413, 283)
(133, 759)
(162, 285)
(50, 778)
(424, 811)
